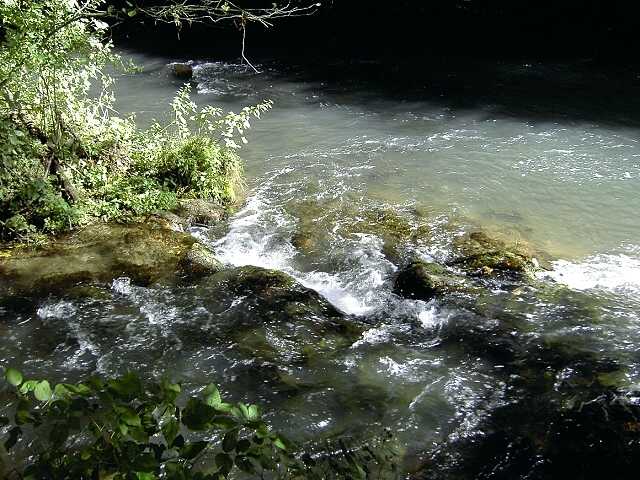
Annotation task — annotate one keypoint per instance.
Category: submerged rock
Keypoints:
(282, 321)
(183, 71)
(320, 222)
(147, 251)
(482, 255)
(200, 211)
(424, 281)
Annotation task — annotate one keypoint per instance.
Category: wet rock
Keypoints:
(395, 230)
(424, 281)
(147, 252)
(482, 255)
(200, 260)
(320, 222)
(200, 212)
(183, 71)
(172, 221)
(304, 243)
(282, 322)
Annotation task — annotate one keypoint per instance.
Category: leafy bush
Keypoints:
(197, 167)
(66, 158)
(123, 429)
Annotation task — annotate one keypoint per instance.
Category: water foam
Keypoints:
(253, 240)
(616, 273)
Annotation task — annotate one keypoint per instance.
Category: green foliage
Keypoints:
(196, 167)
(66, 159)
(123, 429)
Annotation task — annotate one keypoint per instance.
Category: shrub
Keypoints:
(123, 429)
(197, 167)
(65, 158)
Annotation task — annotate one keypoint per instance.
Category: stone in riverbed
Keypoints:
(147, 252)
(423, 281)
(200, 211)
(200, 260)
(482, 255)
(282, 322)
(183, 71)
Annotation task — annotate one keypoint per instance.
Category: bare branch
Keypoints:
(215, 11)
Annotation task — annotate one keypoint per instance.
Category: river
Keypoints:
(547, 172)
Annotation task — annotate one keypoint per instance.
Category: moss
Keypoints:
(146, 251)
(486, 256)
(282, 321)
(199, 260)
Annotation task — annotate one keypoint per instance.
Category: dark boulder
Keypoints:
(423, 281)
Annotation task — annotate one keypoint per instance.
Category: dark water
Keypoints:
(439, 374)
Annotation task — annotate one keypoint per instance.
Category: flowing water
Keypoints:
(329, 154)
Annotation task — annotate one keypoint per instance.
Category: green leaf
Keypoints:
(14, 434)
(145, 462)
(145, 476)
(139, 435)
(243, 445)
(252, 413)
(197, 415)
(224, 462)
(13, 376)
(28, 386)
(245, 464)
(129, 417)
(223, 421)
(193, 449)
(244, 410)
(212, 396)
(280, 444)
(170, 431)
(42, 391)
(127, 387)
(79, 389)
(230, 440)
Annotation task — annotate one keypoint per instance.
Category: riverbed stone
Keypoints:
(483, 255)
(422, 280)
(282, 322)
(200, 260)
(183, 70)
(200, 211)
(146, 251)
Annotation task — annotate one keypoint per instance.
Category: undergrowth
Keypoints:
(67, 158)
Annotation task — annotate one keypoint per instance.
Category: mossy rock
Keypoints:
(183, 71)
(200, 260)
(200, 211)
(483, 255)
(282, 322)
(318, 222)
(146, 251)
(424, 281)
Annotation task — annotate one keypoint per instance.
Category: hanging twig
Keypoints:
(244, 36)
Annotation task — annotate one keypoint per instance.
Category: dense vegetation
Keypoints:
(123, 429)
(65, 155)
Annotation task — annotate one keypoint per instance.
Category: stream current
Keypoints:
(322, 160)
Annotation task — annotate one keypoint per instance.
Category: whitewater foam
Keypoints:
(616, 273)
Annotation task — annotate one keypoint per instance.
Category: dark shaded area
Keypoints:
(544, 61)
(603, 30)
(562, 415)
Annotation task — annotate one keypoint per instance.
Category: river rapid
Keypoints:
(540, 170)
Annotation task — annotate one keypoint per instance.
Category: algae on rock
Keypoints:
(147, 251)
